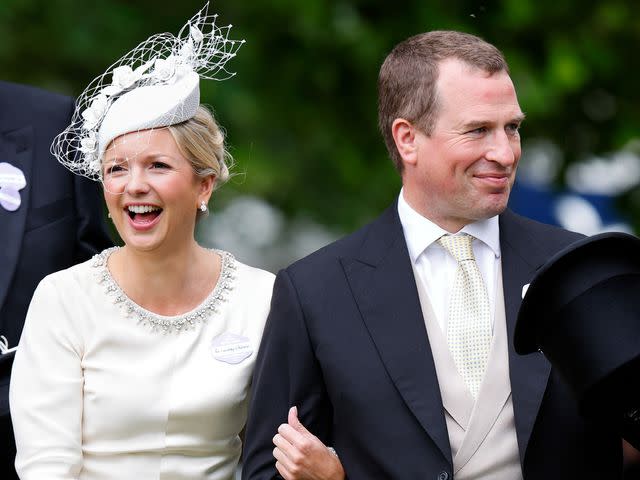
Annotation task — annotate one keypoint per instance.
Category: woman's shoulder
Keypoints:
(249, 296)
(254, 276)
(80, 273)
(66, 295)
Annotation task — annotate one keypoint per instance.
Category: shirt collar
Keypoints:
(420, 232)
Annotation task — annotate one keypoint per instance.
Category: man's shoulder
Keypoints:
(516, 228)
(33, 102)
(24, 92)
(353, 245)
(345, 246)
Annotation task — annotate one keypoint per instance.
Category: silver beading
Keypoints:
(160, 323)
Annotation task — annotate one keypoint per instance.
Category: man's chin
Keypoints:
(492, 208)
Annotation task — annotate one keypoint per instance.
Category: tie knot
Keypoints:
(459, 246)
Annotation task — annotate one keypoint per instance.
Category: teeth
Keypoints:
(142, 208)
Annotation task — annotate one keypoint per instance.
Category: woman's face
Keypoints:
(151, 190)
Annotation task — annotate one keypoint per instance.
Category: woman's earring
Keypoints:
(203, 206)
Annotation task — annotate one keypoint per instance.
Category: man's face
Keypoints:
(464, 170)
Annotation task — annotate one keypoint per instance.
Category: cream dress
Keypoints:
(103, 389)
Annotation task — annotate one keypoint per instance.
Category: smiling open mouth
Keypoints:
(143, 213)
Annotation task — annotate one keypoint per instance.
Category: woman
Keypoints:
(137, 363)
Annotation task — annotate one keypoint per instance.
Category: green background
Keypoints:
(301, 113)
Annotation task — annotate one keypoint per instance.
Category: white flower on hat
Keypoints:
(93, 163)
(124, 76)
(88, 144)
(164, 69)
(94, 113)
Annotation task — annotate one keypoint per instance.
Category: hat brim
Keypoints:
(566, 275)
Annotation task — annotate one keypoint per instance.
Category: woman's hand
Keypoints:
(300, 455)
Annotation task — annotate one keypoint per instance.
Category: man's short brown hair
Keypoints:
(407, 79)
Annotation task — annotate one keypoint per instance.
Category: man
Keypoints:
(395, 343)
(50, 219)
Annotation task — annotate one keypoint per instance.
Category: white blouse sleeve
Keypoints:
(46, 387)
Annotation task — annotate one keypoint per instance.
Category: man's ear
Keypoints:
(404, 135)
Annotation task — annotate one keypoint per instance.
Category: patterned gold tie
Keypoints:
(469, 322)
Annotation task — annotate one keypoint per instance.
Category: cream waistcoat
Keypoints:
(482, 434)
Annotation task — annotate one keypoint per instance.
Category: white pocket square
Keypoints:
(524, 289)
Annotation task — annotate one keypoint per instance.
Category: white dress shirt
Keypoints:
(437, 268)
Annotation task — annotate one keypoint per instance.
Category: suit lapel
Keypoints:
(456, 397)
(529, 373)
(16, 148)
(384, 288)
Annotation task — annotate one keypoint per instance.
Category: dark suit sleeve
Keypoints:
(286, 374)
(91, 230)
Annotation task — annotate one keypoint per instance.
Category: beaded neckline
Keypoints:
(161, 323)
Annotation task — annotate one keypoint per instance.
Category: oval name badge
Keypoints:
(231, 348)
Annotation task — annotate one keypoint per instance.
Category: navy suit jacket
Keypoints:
(346, 342)
(58, 224)
(60, 220)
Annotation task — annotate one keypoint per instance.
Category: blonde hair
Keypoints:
(201, 141)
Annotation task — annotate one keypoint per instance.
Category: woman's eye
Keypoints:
(113, 169)
(159, 165)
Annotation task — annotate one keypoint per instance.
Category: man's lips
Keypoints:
(496, 179)
(493, 175)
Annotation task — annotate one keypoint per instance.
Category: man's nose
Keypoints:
(503, 149)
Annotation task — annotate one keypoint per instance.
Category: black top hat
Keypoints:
(582, 310)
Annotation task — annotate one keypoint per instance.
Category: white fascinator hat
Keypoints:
(155, 85)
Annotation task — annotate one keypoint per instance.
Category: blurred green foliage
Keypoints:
(301, 112)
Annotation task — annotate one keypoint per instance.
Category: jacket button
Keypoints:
(443, 476)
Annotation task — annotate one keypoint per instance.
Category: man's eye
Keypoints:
(513, 127)
(478, 131)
